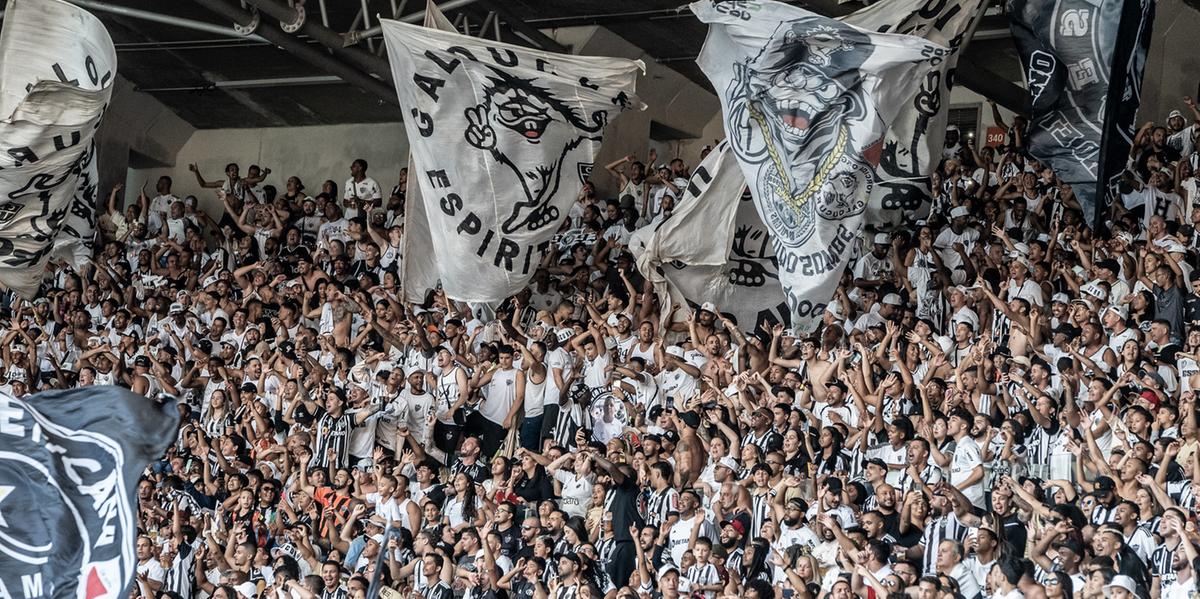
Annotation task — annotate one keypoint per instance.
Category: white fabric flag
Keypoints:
(806, 101)
(504, 138)
(913, 144)
(56, 77)
(714, 248)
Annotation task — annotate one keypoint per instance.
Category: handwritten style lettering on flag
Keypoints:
(55, 81)
(806, 102)
(1083, 61)
(503, 138)
(69, 467)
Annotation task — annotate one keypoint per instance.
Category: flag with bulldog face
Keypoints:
(502, 138)
(806, 102)
(56, 79)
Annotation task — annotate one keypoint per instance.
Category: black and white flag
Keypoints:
(714, 248)
(502, 139)
(69, 468)
(1083, 62)
(56, 78)
(806, 102)
(913, 145)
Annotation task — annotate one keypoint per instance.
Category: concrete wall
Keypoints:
(312, 153)
(671, 99)
(137, 123)
(1172, 70)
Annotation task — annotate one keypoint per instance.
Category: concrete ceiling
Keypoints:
(206, 77)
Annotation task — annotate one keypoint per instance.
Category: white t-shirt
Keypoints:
(966, 458)
(576, 492)
(367, 189)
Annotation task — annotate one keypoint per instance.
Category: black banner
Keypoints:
(69, 468)
(1083, 62)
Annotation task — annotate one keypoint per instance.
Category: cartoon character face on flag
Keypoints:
(515, 112)
(799, 113)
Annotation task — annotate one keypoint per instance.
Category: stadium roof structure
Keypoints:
(264, 63)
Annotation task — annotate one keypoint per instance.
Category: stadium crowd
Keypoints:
(1001, 401)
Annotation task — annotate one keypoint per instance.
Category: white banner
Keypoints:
(714, 248)
(913, 144)
(806, 101)
(56, 78)
(503, 138)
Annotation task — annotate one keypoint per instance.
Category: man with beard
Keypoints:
(468, 461)
(1162, 560)
(733, 540)
(951, 518)
(792, 529)
(1184, 585)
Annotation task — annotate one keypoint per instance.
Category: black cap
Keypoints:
(1104, 484)
(671, 436)
(876, 462)
(834, 483)
(1110, 264)
(838, 384)
(251, 387)
(141, 361)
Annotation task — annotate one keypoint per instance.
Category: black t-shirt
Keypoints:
(624, 509)
(522, 589)
(510, 541)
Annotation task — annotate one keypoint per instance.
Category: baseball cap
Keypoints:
(176, 308)
(1118, 309)
(675, 350)
(959, 211)
(141, 361)
(882, 239)
(666, 568)
(1175, 113)
(1060, 298)
(1109, 264)
(892, 299)
(1103, 484)
(708, 307)
(728, 462)
(250, 387)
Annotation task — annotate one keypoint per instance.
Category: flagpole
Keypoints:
(380, 563)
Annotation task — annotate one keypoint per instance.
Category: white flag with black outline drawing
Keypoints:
(714, 248)
(806, 102)
(913, 144)
(503, 138)
(56, 79)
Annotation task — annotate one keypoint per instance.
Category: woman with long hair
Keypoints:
(464, 508)
(830, 458)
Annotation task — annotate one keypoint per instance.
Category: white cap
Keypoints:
(1120, 581)
(249, 590)
(213, 280)
(564, 334)
(882, 239)
(892, 299)
(959, 211)
(1119, 310)
(729, 463)
(1060, 298)
(176, 308)
(708, 307)
(675, 350)
(1095, 291)
(835, 309)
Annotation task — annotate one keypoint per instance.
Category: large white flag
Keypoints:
(57, 65)
(913, 144)
(806, 101)
(503, 138)
(714, 248)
